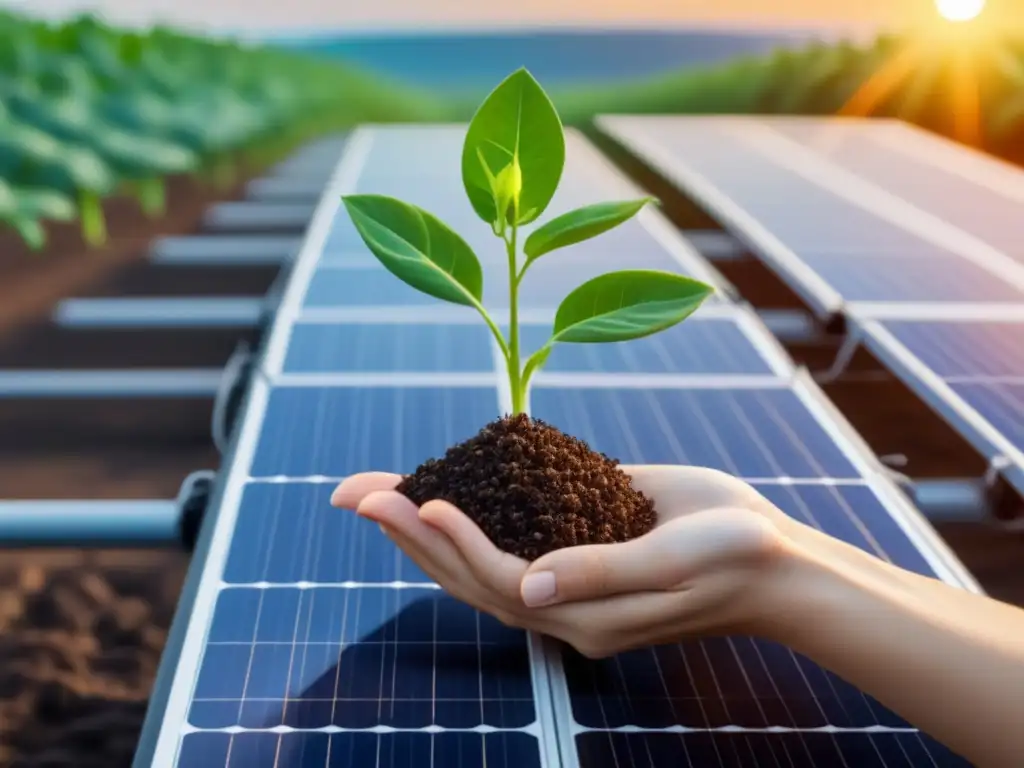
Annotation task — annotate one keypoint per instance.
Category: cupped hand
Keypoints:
(704, 569)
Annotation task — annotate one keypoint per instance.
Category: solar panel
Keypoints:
(969, 366)
(724, 343)
(755, 750)
(836, 236)
(971, 190)
(305, 637)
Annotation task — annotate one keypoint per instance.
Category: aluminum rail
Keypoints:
(224, 250)
(159, 312)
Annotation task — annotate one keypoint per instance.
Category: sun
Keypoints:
(959, 10)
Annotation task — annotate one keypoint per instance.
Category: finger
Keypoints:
(352, 490)
(612, 625)
(400, 516)
(499, 570)
(429, 548)
(663, 559)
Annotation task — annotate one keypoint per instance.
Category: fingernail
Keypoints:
(383, 529)
(538, 588)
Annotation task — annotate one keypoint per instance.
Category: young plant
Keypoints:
(512, 162)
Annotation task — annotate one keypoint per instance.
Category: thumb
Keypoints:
(660, 560)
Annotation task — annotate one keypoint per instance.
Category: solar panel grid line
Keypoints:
(575, 379)
(814, 290)
(880, 202)
(452, 314)
(767, 343)
(724, 344)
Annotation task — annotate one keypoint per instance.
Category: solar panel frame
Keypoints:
(869, 326)
(766, 135)
(167, 716)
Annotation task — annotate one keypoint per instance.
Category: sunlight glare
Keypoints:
(959, 10)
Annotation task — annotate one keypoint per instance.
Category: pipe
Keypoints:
(715, 245)
(792, 326)
(89, 522)
(113, 383)
(159, 312)
(952, 500)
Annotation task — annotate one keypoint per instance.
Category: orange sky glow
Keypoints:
(327, 15)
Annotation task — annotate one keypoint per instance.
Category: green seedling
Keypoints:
(512, 162)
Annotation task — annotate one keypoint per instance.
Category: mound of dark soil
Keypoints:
(533, 489)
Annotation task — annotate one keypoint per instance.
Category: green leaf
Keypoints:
(37, 203)
(517, 121)
(418, 248)
(620, 306)
(579, 225)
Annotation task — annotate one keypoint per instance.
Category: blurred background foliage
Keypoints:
(88, 111)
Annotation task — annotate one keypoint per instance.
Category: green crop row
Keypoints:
(87, 111)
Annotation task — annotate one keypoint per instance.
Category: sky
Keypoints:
(285, 16)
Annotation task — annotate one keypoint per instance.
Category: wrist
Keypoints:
(805, 589)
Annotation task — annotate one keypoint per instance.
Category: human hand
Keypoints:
(707, 567)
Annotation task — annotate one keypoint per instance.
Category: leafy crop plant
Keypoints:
(530, 487)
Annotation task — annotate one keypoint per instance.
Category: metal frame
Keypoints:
(280, 189)
(1003, 456)
(256, 216)
(224, 250)
(159, 312)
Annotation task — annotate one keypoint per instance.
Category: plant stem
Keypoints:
(514, 377)
(90, 211)
(152, 196)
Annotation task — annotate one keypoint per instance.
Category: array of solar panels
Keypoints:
(881, 222)
(310, 640)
